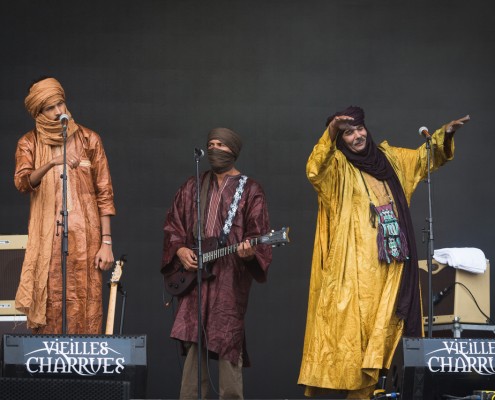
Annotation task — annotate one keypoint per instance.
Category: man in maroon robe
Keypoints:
(224, 298)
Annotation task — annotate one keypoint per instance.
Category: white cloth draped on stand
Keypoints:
(467, 258)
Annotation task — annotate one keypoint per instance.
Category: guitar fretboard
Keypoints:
(214, 254)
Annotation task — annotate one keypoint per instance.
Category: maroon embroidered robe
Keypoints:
(225, 298)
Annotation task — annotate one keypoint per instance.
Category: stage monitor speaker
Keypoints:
(63, 389)
(430, 369)
(12, 249)
(465, 288)
(85, 357)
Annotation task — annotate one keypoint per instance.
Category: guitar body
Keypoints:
(180, 281)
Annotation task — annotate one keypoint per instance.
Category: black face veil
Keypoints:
(222, 161)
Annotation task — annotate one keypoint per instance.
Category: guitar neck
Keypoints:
(111, 309)
(114, 284)
(224, 251)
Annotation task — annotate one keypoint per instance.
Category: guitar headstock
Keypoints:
(117, 270)
(276, 238)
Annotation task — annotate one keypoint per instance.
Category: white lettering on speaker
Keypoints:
(84, 358)
(462, 356)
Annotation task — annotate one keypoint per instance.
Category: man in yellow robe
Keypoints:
(364, 288)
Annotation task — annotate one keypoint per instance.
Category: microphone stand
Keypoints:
(197, 157)
(65, 230)
(122, 312)
(429, 231)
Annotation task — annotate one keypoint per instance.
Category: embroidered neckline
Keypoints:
(368, 193)
(391, 241)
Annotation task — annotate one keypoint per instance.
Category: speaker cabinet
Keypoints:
(62, 389)
(465, 287)
(430, 369)
(12, 249)
(79, 357)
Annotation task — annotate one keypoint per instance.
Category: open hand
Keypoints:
(456, 124)
(339, 123)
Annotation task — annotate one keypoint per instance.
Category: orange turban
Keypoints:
(48, 90)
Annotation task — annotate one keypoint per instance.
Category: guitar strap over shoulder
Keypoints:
(232, 211)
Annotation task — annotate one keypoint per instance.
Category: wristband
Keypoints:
(107, 242)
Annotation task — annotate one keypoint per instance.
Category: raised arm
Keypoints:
(452, 127)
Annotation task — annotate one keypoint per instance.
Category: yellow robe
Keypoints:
(351, 329)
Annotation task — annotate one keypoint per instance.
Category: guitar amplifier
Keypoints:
(85, 357)
(430, 369)
(12, 249)
(465, 289)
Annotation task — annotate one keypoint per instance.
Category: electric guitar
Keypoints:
(179, 281)
(114, 284)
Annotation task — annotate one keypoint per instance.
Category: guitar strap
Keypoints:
(232, 211)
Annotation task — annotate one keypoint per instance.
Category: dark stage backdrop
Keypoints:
(152, 77)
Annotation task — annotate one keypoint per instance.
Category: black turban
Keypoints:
(352, 111)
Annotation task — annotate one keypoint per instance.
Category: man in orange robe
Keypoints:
(39, 165)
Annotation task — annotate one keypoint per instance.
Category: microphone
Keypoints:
(64, 119)
(198, 152)
(423, 131)
(437, 298)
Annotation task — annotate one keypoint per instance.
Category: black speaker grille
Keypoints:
(10, 271)
(62, 389)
